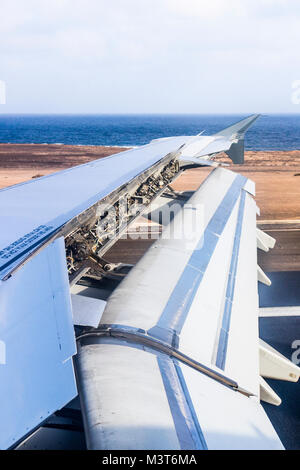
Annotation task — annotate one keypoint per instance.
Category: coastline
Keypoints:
(276, 174)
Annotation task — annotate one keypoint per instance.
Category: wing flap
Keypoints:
(241, 360)
(192, 297)
(192, 293)
(141, 399)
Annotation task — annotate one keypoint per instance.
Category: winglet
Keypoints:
(236, 133)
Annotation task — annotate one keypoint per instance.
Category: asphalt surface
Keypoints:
(281, 333)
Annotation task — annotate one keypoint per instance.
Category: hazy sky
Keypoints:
(147, 56)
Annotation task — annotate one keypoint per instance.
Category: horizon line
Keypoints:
(147, 114)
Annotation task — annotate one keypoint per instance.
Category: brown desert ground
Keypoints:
(22, 162)
(276, 174)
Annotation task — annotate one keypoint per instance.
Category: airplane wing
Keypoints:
(171, 362)
(44, 208)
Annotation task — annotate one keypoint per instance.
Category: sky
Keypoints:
(150, 56)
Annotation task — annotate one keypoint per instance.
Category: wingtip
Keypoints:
(255, 116)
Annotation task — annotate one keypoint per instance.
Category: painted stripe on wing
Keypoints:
(173, 317)
(185, 419)
(226, 319)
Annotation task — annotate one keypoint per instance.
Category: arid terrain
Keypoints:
(276, 174)
(22, 162)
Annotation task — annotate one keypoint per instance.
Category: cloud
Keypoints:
(211, 10)
(154, 55)
(220, 9)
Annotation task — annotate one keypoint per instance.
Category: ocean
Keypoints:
(270, 132)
